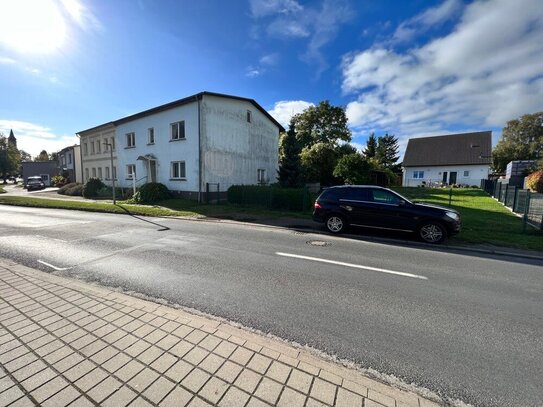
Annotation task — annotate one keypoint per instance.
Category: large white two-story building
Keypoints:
(207, 138)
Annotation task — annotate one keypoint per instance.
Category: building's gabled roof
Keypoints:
(452, 149)
(180, 102)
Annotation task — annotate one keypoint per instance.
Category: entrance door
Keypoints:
(452, 178)
(444, 177)
(152, 171)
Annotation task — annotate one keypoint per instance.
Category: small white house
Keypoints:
(454, 159)
(69, 161)
(192, 144)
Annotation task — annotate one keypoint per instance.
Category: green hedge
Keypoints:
(272, 197)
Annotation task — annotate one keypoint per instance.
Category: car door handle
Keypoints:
(347, 207)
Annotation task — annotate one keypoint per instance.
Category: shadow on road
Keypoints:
(162, 227)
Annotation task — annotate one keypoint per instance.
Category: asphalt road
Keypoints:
(466, 326)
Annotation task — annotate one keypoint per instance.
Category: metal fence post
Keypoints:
(450, 197)
(526, 211)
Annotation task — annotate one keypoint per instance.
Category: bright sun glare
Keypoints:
(35, 26)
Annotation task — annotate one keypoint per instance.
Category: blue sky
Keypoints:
(411, 68)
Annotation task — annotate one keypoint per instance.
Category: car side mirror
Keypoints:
(401, 203)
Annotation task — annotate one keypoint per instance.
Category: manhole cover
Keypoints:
(318, 243)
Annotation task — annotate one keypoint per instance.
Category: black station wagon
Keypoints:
(376, 207)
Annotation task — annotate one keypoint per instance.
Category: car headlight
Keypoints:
(452, 215)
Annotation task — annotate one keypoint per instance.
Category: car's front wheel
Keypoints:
(335, 224)
(432, 232)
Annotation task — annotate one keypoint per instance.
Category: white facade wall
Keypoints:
(164, 149)
(96, 159)
(434, 175)
(233, 148)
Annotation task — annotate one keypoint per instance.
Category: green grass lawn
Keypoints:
(484, 220)
(2, 189)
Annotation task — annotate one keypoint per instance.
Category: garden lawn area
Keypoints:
(484, 220)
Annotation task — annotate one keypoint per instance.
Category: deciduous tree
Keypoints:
(323, 123)
(43, 156)
(353, 169)
(522, 139)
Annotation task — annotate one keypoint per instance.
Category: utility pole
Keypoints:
(112, 171)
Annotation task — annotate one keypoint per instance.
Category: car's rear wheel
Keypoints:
(335, 223)
(432, 232)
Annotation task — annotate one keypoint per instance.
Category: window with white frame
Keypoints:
(113, 143)
(114, 172)
(466, 174)
(261, 176)
(418, 174)
(92, 147)
(249, 116)
(130, 140)
(100, 172)
(86, 174)
(85, 149)
(69, 158)
(94, 173)
(177, 131)
(98, 147)
(107, 172)
(131, 171)
(151, 135)
(178, 170)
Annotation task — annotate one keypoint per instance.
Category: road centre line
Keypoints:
(357, 266)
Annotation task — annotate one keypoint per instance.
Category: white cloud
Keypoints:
(252, 72)
(263, 8)
(283, 110)
(270, 59)
(82, 15)
(7, 61)
(318, 25)
(426, 20)
(34, 138)
(487, 71)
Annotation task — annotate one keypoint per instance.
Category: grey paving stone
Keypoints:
(159, 389)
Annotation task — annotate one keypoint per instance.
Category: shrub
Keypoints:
(59, 181)
(534, 181)
(271, 197)
(72, 189)
(152, 192)
(91, 187)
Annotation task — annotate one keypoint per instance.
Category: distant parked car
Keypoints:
(381, 208)
(34, 183)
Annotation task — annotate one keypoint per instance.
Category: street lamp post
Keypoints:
(112, 171)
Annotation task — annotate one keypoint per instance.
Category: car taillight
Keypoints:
(317, 205)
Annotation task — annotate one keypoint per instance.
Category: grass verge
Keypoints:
(484, 220)
(2, 189)
(169, 207)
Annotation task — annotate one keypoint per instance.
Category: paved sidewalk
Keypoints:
(64, 342)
